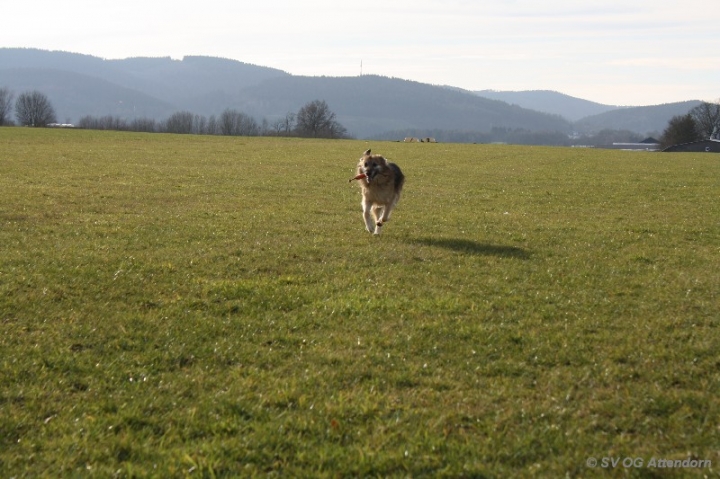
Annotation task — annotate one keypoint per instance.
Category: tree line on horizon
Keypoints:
(316, 120)
(313, 120)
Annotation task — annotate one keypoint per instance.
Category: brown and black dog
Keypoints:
(381, 183)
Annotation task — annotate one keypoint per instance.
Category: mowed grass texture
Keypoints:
(197, 306)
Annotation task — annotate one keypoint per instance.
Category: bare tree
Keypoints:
(707, 119)
(180, 122)
(336, 130)
(282, 125)
(199, 125)
(34, 109)
(107, 122)
(87, 122)
(212, 126)
(289, 122)
(277, 126)
(233, 122)
(247, 125)
(680, 129)
(227, 125)
(6, 98)
(316, 120)
(145, 125)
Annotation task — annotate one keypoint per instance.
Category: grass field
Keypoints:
(212, 307)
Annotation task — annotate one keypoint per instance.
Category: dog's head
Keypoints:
(371, 165)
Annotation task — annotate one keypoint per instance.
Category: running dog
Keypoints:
(381, 183)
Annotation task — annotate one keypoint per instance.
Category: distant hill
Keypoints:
(74, 95)
(368, 106)
(590, 117)
(153, 87)
(640, 119)
(80, 85)
(198, 84)
(549, 102)
(164, 78)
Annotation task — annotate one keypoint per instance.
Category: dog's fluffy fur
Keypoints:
(381, 189)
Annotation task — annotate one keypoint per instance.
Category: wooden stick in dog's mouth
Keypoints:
(358, 177)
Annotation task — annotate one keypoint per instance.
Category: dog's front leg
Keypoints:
(379, 215)
(385, 214)
(368, 216)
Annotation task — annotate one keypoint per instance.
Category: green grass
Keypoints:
(212, 307)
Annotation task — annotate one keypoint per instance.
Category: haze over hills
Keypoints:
(589, 117)
(368, 106)
(550, 102)
(640, 118)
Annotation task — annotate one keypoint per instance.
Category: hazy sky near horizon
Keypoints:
(621, 52)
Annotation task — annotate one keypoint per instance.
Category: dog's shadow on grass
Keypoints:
(474, 247)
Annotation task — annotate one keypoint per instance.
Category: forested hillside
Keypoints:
(367, 106)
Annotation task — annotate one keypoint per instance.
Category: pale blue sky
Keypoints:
(626, 52)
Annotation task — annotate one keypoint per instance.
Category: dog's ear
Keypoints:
(367, 153)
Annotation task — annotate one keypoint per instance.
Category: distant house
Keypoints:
(648, 144)
(702, 146)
